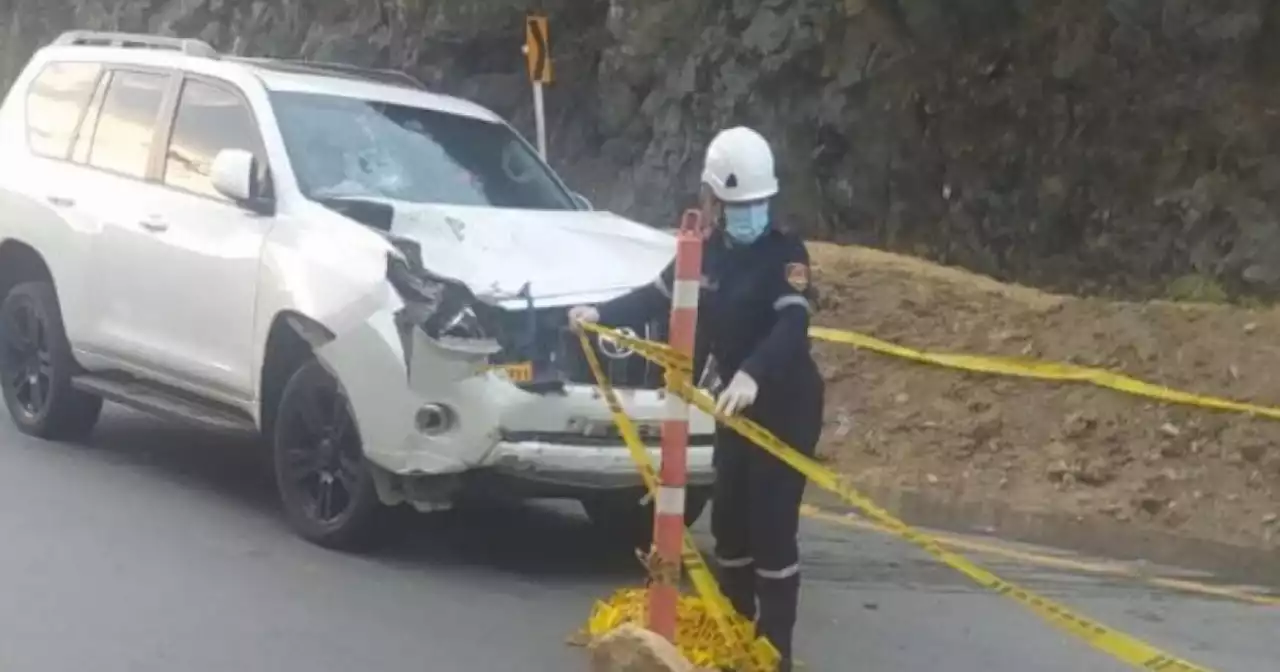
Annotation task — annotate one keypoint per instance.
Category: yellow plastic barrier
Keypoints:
(1041, 370)
(709, 632)
(1121, 646)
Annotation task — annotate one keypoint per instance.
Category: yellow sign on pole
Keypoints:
(537, 49)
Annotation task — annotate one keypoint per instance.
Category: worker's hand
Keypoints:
(578, 315)
(739, 394)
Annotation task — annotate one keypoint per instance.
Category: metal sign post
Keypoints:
(537, 54)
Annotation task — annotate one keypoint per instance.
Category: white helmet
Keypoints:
(739, 166)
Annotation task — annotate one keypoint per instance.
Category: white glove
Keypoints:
(579, 315)
(739, 394)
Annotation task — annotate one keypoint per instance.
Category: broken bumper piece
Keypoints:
(560, 469)
(428, 406)
(569, 440)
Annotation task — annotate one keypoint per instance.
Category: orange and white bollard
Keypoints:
(668, 523)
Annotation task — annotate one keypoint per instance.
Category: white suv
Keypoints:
(373, 276)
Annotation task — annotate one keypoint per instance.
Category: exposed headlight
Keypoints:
(440, 308)
(463, 324)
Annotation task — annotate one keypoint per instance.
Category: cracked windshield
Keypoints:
(347, 147)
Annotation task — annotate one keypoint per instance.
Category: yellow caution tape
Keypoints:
(709, 632)
(1032, 368)
(1007, 366)
(697, 633)
(659, 353)
(1121, 646)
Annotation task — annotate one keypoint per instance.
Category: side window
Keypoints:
(84, 136)
(55, 103)
(127, 122)
(210, 119)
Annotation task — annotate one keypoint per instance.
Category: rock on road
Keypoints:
(160, 548)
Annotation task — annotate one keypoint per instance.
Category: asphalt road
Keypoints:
(159, 548)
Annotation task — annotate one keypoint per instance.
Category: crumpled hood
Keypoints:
(564, 256)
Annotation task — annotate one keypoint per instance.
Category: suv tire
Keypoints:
(624, 518)
(36, 366)
(326, 487)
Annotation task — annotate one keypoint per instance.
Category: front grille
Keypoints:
(543, 338)
(623, 369)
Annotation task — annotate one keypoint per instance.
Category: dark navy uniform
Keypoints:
(753, 316)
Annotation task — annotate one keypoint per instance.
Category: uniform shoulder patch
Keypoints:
(798, 276)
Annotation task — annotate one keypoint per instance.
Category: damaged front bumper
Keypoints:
(433, 406)
(568, 441)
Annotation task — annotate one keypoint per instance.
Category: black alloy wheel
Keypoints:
(28, 360)
(36, 366)
(325, 485)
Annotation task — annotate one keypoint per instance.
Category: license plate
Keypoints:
(606, 429)
(520, 372)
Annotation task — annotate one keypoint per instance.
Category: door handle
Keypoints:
(154, 225)
(60, 201)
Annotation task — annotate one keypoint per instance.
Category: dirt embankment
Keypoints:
(1043, 446)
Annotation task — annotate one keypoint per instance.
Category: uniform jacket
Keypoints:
(753, 310)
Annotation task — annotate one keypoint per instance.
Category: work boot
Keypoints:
(778, 606)
(739, 585)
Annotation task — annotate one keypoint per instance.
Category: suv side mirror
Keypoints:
(235, 175)
(582, 201)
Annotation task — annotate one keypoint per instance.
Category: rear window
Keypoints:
(56, 102)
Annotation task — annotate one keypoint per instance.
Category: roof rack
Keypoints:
(383, 75)
(93, 38)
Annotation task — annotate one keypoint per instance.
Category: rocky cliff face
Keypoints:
(1095, 144)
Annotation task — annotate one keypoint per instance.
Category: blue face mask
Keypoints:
(746, 223)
